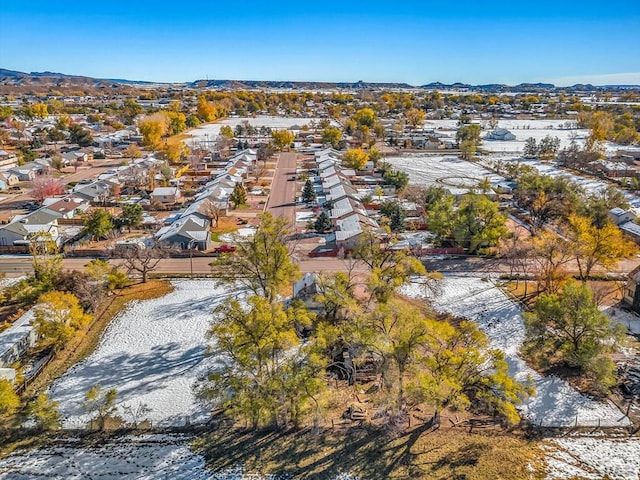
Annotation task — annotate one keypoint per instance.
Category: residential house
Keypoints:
(631, 291)
(501, 134)
(8, 159)
(166, 195)
(67, 207)
(69, 158)
(96, 192)
(23, 174)
(188, 232)
(632, 229)
(15, 340)
(9, 178)
(619, 216)
(23, 228)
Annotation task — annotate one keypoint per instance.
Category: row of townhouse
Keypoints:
(347, 213)
(191, 229)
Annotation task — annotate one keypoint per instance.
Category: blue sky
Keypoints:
(563, 42)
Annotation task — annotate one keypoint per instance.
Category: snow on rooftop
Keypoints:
(556, 403)
(16, 333)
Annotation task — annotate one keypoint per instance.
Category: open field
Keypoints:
(152, 353)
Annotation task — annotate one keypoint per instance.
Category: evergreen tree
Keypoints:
(322, 223)
(238, 196)
(308, 192)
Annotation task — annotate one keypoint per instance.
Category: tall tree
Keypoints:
(597, 246)
(396, 178)
(58, 317)
(238, 196)
(131, 216)
(44, 412)
(395, 213)
(478, 223)
(9, 400)
(153, 128)
(100, 404)
(262, 262)
(415, 117)
(45, 186)
(570, 329)
(332, 136)
(390, 268)
(355, 158)
(98, 224)
(456, 367)
(308, 192)
(266, 377)
(143, 260)
(282, 139)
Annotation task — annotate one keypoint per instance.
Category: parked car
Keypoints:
(224, 248)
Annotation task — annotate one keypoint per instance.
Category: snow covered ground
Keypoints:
(152, 353)
(144, 457)
(208, 133)
(522, 129)
(556, 403)
(443, 170)
(593, 458)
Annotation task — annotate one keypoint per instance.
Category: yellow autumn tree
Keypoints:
(282, 139)
(58, 317)
(597, 246)
(206, 111)
(153, 128)
(40, 110)
(355, 158)
(415, 117)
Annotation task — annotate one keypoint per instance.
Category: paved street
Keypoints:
(19, 265)
(282, 198)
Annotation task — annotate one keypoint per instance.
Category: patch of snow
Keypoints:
(8, 282)
(241, 232)
(144, 457)
(305, 216)
(593, 458)
(556, 403)
(630, 320)
(447, 171)
(151, 353)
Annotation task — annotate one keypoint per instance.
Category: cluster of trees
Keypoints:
(159, 125)
(474, 223)
(364, 126)
(546, 149)
(269, 376)
(468, 138)
(99, 223)
(604, 125)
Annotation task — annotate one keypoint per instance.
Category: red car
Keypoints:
(224, 248)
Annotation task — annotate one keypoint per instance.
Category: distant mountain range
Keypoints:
(21, 81)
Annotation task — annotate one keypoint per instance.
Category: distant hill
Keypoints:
(234, 84)
(12, 81)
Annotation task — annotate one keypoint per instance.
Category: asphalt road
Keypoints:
(19, 265)
(16, 266)
(282, 198)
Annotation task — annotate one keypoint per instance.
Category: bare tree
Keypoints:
(213, 211)
(143, 260)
